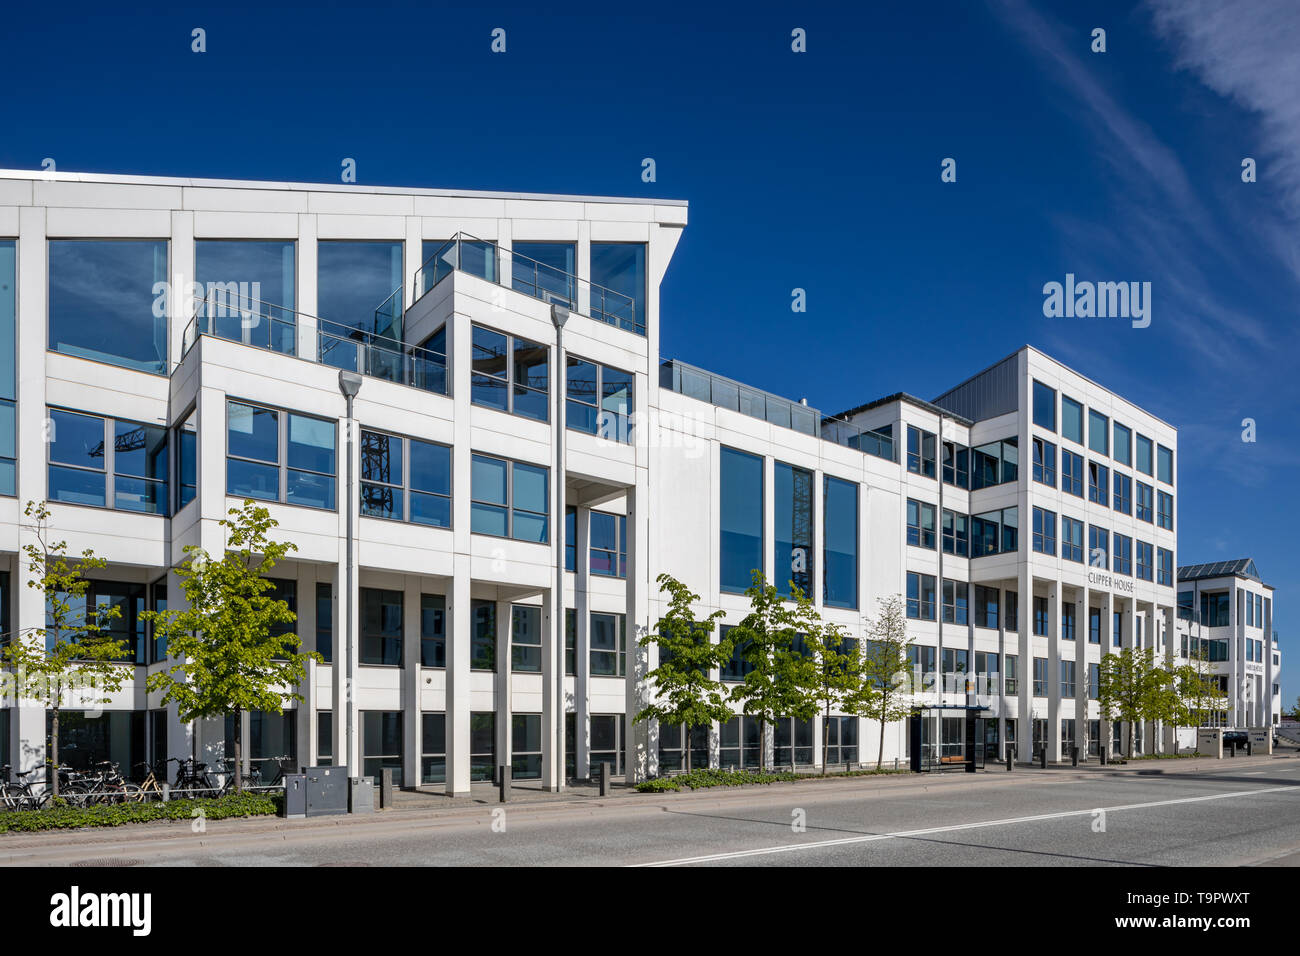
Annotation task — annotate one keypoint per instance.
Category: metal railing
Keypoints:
(357, 350)
(466, 253)
(237, 318)
(864, 440)
(726, 393)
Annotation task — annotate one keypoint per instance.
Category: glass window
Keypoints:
(1098, 432)
(483, 636)
(482, 745)
(1044, 462)
(599, 400)
(526, 638)
(381, 627)
(840, 537)
(956, 601)
(1145, 560)
(920, 452)
(1071, 473)
(353, 279)
(1122, 560)
(78, 454)
(545, 270)
(510, 374)
(97, 461)
(107, 303)
(920, 596)
(1098, 547)
(1071, 539)
(381, 744)
(608, 544)
(1144, 454)
(1123, 444)
(433, 748)
(956, 534)
(1040, 677)
(325, 621)
(737, 667)
(1067, 621)
(608, 645)
(509, 499)
(433, 630)
(1123, 493)
(1144, 503)
(956, 464)
(1165, 510)
(187, 461)
(1040, 616)
(253, 465)
(386, 486)
(1044, 406)
(920, 524)
(994, 463)
(793, 530)
(1044, 531)
(741, 493)
(1164, 567)
(526, 746)
(1067, 682)
(1165, 464)
(620, 268)
(1098, 483)
(8, 377)
(248, 289)
(1071, 419)
(986, 607)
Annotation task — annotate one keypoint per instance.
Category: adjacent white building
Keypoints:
(177, 348)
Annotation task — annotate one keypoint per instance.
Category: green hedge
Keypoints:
(700, 779)
(71, 818)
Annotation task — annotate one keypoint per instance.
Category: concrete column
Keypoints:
(1054, 601)
(1025, 663)
(412, 725)
(307, 299)
(552, 700)
(179, 305)
(1002, 672)
(642, 738)
(582, 679)
(501, 682)
(1269, 674)
(1107, 646)
(458, 677)
(1128, 621)
(1082, 650)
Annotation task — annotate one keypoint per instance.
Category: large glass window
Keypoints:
(483, 636)
(1071, 539)
(107, 301)
(510, 374)
(1164, 567)
(1044, 462)
(1067, 682)
(353, 279)
(599, 400)
(737, 666)
(1123, 444)
(105, 461)
(956, 465)
(525, 746)
(1067, 621)
(1071, 419)
(1098, 483)
(956, 534)
(187, 460)
(8, 377)
(994, 463)
(1123, 493)
(482, 745)
(608, 645)
(794, 529)
(546, 271)
(741, 493)
(1044, 406)
(389, 490)
(619, 267)
(510, 499)
(433, 748)
(1144, 454)
(1145, 560)
(995, 532)
(1122, 560)
(248, 289)
(608, 544)
(325, 620)
(1165, 510)
(1098, 547)
(1071, 473)
(840, 547)
(956, 602)
(255, 467)
(381, 627)
(1144, 502)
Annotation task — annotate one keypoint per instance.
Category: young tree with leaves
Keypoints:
(1132, 688)
(780, 679)
(685, 691)
(75, 650)
(838, 659)
(883, 691)
(226, 655)
(1196, 691)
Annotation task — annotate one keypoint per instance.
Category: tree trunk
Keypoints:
(826, 737)
(239, 749)
(686, 741)
(880, 753)
(762, 744)
(53, 756)
(1130, 738)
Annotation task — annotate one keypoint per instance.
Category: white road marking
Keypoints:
(1255, 773)
(930, 831)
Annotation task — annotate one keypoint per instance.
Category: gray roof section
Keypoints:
(910, 400)
(1241, 567)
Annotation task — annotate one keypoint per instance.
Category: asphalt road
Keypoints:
(1229, 813)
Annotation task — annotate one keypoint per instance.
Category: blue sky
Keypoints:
(817, 170)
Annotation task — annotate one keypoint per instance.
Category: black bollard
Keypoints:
(1042, 759)
(604, 779)
(1074, 756)
(503, 782)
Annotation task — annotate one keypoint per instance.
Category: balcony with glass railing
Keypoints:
(465, 253)
(376, 351)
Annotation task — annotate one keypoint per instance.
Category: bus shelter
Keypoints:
(947, 737)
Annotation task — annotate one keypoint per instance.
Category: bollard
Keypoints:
(970, 763)
(1101, 752)
(166, 792)
(503, 778)
(386, 788)
(846, 767)
(1074, 756)
(1010, 758)
(604, 779)
(1232, 751)
(1250, 748)
(1042, 759)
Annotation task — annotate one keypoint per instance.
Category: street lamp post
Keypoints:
(559, 315)
(349, 385)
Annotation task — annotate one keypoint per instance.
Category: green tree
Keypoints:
(226, 654)
(882, 693)
(1133, 688)
(684, 688)
(839, 664)
(75, 650)
(780, 677)
(1196, 692)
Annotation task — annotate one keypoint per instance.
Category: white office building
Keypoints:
(175, 347)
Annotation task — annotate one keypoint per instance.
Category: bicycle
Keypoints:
(192, 778)
(105, 785)
(20, 797)
(150, 784)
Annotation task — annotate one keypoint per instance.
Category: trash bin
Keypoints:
(295, 795)
(361, 795)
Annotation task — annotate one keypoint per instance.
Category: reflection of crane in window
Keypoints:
(376, 467)
(133, 440)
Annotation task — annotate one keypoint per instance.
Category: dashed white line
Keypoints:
(930, 831)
